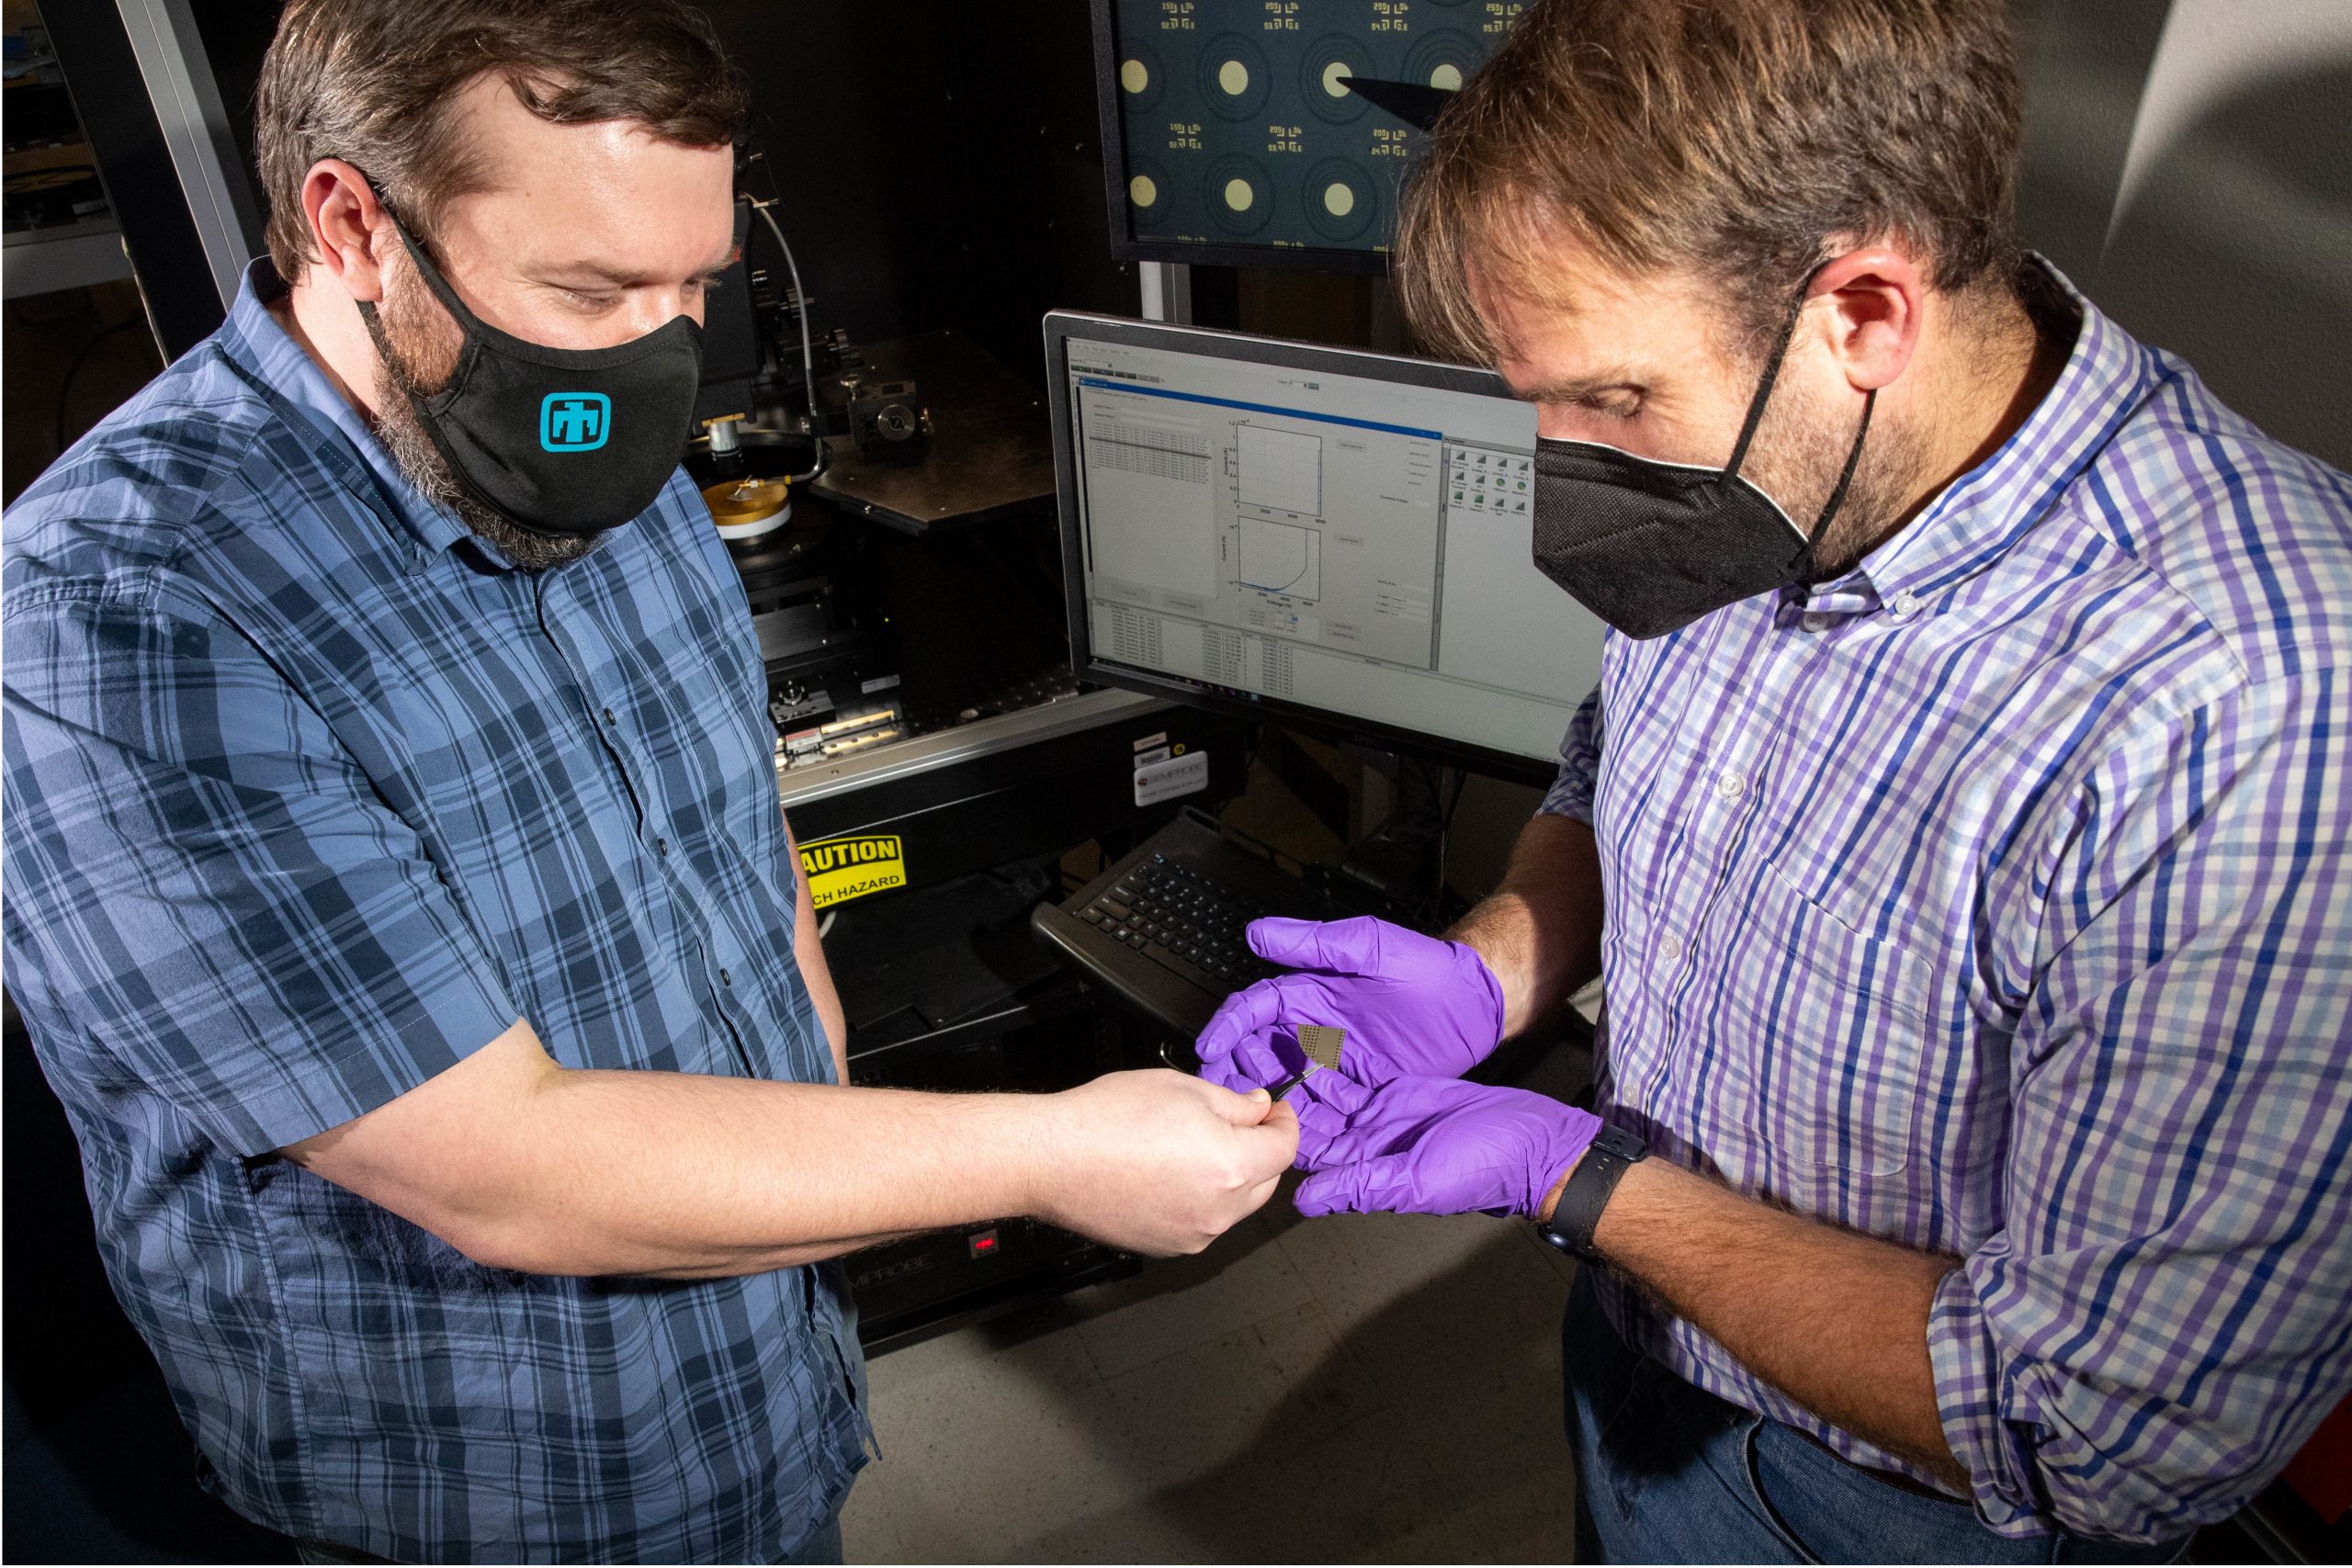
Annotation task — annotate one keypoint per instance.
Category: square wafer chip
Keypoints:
(1322, 1043)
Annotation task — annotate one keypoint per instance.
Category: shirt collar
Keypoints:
(255, 342)
(1984, 513)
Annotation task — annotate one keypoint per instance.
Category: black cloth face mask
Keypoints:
(1650, 547)
(560, 442)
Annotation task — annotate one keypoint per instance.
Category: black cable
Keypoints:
(65, 390)
(1461, 781)
(755, 156)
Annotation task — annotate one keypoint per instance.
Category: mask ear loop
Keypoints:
(1853, 461)
(1772, 373)
(425, 267)
(1763, 395)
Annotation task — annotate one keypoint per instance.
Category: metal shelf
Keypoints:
(41, 261)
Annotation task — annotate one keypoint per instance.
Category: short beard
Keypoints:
(1800, 466)
(419, 345)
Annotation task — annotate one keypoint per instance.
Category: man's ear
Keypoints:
(350, 231)
(1875, 295)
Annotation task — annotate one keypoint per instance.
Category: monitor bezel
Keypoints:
(1124, 246)
(1060, 326)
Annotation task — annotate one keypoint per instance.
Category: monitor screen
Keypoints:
(1326, 536)
(1233, 135)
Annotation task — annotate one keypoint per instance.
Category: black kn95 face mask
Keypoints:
(1650, 547)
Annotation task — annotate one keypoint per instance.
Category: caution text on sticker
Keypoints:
(840, 869)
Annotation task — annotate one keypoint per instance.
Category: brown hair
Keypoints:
(1733, 137)
(371, 81)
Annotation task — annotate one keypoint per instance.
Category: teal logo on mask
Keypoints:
(574, 421)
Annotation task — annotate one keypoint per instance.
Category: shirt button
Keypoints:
(609, 719)
(661, 846)
(1905, 605)
(725, 978)
(1815, 622)
(1669, 947)
(1731, 783)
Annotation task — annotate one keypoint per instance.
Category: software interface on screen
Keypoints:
(1351, 544)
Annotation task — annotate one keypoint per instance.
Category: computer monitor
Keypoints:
(1234, 133)
(1332, 539)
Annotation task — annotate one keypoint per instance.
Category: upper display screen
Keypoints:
(1232, 134)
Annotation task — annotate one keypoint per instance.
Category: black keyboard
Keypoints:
(1183, 921)
(1163, 928)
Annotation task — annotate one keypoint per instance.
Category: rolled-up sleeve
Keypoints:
(2167, 1313)
(1571, 792)
(214, 897)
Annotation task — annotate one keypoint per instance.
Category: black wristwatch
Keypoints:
(1573, 1221)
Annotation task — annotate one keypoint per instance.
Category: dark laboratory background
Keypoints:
(939, 169)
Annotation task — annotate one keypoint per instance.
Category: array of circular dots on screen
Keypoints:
(1326, 67)
(1339, 199)
(1241, 127)
(1233, 79)
(1443, 58)
(1238, 192)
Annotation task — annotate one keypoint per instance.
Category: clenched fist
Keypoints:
(1160, 1163)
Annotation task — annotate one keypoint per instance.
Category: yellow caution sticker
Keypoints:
(842, 869)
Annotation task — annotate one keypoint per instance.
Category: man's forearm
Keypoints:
(1540, 930)
(1835, 1320)
(596, 1172)
(808, 951)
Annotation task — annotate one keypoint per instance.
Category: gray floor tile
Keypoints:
(1532, 1520)
(1180, 1303)
(1194, 1458)
(913, 1363)
(1460, 1322)
(977, 1448)
(1358, 1265)
(1273, 1444)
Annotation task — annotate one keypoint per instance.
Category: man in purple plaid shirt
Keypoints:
(1970, 910)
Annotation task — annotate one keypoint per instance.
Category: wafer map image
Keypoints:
(1239, 127)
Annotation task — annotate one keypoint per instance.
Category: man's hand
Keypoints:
(1425, 1146)
(1409, 1003)
(1159, 1163)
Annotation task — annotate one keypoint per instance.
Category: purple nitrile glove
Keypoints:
(1425, 1146)
(1409, 1003)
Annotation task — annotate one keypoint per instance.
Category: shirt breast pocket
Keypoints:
(1835, 1025)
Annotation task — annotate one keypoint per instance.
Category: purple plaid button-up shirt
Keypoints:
(1993, 900)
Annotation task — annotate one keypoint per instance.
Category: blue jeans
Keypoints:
(1667, 1472)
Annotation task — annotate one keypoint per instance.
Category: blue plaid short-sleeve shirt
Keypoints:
(309, 795)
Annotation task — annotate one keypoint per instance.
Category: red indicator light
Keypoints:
(983, 1242)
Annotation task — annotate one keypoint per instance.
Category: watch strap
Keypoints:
(1613, 1151)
